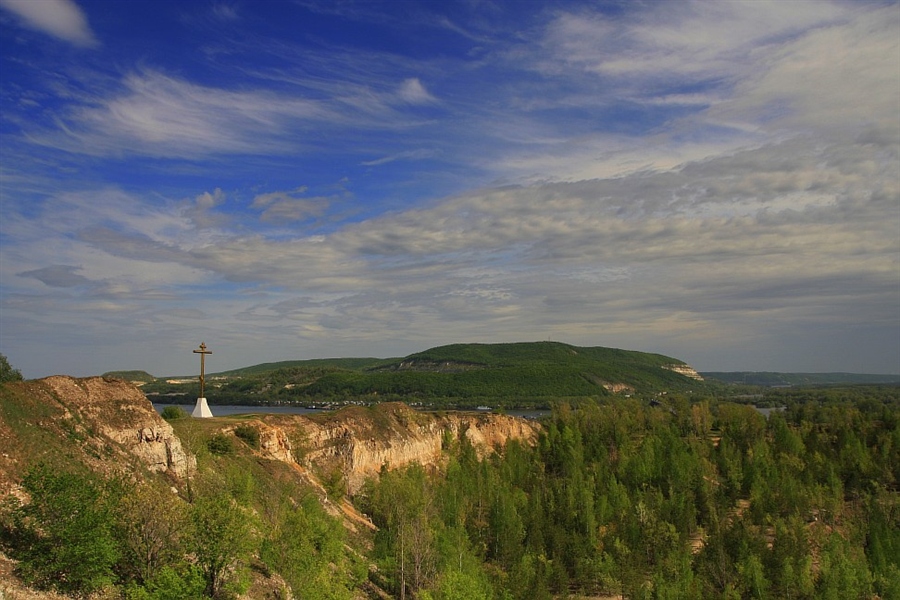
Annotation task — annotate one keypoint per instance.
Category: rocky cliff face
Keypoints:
(112, 423)
(360, 441)
(686, 370)
(118, 410)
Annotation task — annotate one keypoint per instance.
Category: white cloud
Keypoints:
(62, 19)
(835, 80)
(697, 40)
(682, 238)
(208, 200)
(413, 92)
(287, 207)
(57, 276)
(158, 115)
(755, 73)
(163, 115)
(118, 242)
(419, 154)
(155, 114)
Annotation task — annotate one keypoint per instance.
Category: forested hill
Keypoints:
(513, 374)
(500, 372)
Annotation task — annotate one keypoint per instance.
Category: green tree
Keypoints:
(65, 536)
(790, 561)
(530, 578)
(403, 506)
(170, 583)
(506, 527)
(753, 578)
(306, 547)
(883, 539)
(222, 539)
(150, 524)
(725, 562)
(462, 585)
(7, 373)
(844, 574)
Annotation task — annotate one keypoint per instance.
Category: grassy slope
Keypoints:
(31, 430)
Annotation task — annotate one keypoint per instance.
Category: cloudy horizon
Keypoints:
(717, 182)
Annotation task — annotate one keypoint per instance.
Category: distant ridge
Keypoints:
(769, 378)
(338, 363)
(520, 374)
(514, 372)
(132, 376)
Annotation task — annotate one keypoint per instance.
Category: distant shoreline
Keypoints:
(224, 410)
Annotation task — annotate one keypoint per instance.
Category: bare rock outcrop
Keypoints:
(686, 370)
(114, 423)
(119, 411)
(274, 442)
(361, 441)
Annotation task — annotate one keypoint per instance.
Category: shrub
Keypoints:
(151, 521)
(7, 373)
(65, 537)
(171, 413)
(170, 584)
(335, 483)
(222, 541)
(220, 444)
(249, 434)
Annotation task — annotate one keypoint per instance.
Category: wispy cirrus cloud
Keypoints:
(290, 206)
(684, 42)
(832, 80)
(225, 11)
(418, 154)
(62, 19)
(698, 79)
(161, 115)
(57, 276)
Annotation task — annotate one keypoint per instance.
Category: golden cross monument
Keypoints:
(202, 351)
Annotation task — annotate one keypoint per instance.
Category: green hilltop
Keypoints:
(352, 364)
(140, 376)
(517, 370)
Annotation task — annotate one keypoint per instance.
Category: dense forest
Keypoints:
(685, 501)
(679, 499)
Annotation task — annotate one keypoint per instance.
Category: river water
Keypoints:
(223, 410)
(235, 409)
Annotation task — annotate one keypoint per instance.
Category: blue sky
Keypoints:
(715, 181)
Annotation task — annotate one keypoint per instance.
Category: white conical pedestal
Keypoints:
(201, 411)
